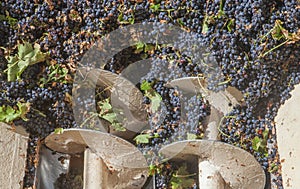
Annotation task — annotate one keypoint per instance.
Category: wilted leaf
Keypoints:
(23, 109)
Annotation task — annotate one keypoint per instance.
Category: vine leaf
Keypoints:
(152, 95)
(191, 136)
(155, 102)
(146, 86)
(27, 55)
(142, 138)
(59, 131)
(260, 144)
(23, 109)
(11, 114)
(108, 113)
(181, 179)
(8, 113)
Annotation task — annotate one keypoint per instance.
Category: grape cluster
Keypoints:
(253, 45)
(31, 166)
(161, 180)
(48, 106)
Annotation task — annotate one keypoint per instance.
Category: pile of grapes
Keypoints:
(256, 44)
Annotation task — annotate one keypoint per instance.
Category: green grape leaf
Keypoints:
(256, 143)
(118, 126)
(175, 184)
(58, 131)
(11, 114)
(120, 17)
(142, 138)
(265, 134)
(153, 169)
(149, 47)
(11, 21)
(27, 55)
(36, 55)
(131, 20)
(204, 28)
(2, 114)
(22, 65)
(2, 17)
(23, 110)
(111, 117)
(146, 86)
(140, 45)
(182, 170)
(13, 68)
(191, 136)
(181, 178)
(205, 25)
(277, 31)
(105, 105)
(155, 7)
(230, 25)
(24, 49)
(180, 22)
(155, 101)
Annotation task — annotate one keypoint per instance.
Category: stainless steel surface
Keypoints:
(126, 165)
(123, 95)
(238, 168)
(95, 174)
(50, 167)
(220, 100)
